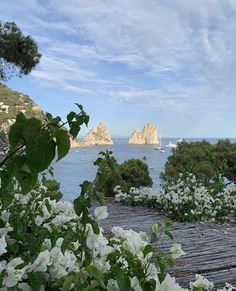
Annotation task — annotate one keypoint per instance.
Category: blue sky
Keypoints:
(168, 62)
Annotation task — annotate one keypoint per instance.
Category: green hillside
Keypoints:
(11, 103)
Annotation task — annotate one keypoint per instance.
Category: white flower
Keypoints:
(3, 265)
(13, 275)
(24, 287)
(169, 284)
(101, 212)
(176, 251)
(228, 287)
(5, 215)
(134, 282)
(41, 262)
(201, 282)
(38, 220)
(3, 245)
(112, 285)
(47, 244)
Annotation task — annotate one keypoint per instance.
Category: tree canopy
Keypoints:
(202, 159)
(18, 53)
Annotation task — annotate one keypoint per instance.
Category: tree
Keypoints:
(135, 174)
(131, 173)
(18, 53)
(227, 154)
(198, 158)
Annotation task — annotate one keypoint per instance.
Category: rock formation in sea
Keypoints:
(99, 135)
(147, 135)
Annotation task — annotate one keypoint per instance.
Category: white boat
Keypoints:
(171, 145)
(160, 148)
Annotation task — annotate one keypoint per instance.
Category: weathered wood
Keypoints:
(210, 248)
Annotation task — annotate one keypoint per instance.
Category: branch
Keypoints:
(11, 154)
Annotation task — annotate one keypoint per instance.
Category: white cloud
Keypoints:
(188, 46)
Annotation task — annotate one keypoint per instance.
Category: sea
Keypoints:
(78, 166)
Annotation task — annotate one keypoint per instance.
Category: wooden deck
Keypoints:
(210, 248)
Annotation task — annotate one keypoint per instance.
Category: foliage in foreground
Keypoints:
(205, 160)
(52, 245)
(187, 199)
(131, 173)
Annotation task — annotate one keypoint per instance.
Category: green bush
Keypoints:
(53, 189)
(227, 155)
(206, 161)
(131, 173)
(135, 174)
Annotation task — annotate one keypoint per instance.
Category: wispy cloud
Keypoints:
(185, 51)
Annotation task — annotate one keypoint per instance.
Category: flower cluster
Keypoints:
(187, 199)
(46, 245)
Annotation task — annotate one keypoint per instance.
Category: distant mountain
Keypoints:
(11, 103)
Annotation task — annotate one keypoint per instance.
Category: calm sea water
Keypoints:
(78, 166)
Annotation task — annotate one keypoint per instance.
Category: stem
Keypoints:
(11, 154)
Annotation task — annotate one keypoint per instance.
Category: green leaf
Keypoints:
(85, 187)
(102, 177)
(80, 205)
(79, 119)
(148, 249)
(6, 197)
(95, 226)
(74, 128)
(79, 105)
(31, 129)
(98, 161)
(63, 143)
(169, 234)
(97, 274)
(71, 116)
(49, 116)
(123, 281)
(86, 119)
(67, 283)
(15, 133)
(36, 280)
(26, 179)
(40, 152)
(99, 196)
(55, 121)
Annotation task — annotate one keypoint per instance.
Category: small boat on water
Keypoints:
(144, 157)
(171, 145)
(160, 148)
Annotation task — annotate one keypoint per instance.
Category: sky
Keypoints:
(167, 62)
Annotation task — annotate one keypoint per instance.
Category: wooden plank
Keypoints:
(210, 248)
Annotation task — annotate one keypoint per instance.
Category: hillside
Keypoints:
(11, 103)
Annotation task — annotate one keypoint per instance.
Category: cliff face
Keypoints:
(11, 103)
(148, 135)
(99, 135)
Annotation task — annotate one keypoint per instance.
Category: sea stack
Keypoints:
(147, 135)
(99, 135)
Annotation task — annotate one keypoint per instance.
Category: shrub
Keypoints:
(206, 161)
(187, 199)
(131, 173)
(227, 154)
(53, 189)
(135, 173)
